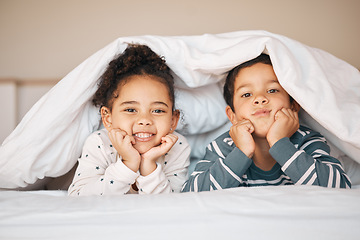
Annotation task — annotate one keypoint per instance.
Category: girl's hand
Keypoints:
(285, 125)
(241, 135)
(148, 159)
(123, 143)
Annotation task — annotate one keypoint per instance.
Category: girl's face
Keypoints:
(143, 109)
(257, 97)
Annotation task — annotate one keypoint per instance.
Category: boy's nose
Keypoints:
(260, 100)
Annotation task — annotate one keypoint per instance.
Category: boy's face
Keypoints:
(257, 97)
(143, 110)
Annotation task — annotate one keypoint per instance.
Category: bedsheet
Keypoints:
(285, 212)
(49, 139)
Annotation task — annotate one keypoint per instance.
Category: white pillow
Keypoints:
(202, 109)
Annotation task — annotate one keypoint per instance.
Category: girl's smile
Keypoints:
(143, 137)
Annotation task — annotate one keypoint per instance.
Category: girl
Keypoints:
(138, 151)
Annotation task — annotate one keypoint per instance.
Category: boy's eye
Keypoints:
(158, 111)
(273, 91)
(245, 95)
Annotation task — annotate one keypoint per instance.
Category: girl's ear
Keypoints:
(295, 106)
(230, 114)
(174, 120)
(106, 118)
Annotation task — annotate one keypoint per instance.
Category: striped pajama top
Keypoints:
(302, 159)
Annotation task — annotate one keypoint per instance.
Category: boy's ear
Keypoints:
(230, 114)
(106, 118)
(174, 120)
(295, 106)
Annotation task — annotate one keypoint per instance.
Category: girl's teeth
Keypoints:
(143, 135)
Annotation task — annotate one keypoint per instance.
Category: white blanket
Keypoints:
(271, 213)
(49, 138)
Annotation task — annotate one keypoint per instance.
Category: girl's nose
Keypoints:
(144, 120)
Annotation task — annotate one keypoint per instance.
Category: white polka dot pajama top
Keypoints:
(101, 171)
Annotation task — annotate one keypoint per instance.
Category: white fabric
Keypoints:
(272, 213)
(49, 139)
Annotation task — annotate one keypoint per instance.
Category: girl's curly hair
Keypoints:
(135, 60)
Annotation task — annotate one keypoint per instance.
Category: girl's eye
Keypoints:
(273, 91)
(245, 95)
(130, 110)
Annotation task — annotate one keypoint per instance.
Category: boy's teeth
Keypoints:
(143, 135)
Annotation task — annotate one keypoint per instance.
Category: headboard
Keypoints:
(17, 96)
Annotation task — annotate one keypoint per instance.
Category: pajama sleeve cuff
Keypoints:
(154, 181)
(122, 172)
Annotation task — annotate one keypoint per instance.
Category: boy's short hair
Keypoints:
(230, 79)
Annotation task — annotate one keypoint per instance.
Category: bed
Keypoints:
(47, 142)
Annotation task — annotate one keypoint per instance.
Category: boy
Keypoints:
(265, 145)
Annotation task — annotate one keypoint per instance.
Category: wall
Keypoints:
(46, 39)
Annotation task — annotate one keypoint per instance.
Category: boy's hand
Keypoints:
(285, 125)
(148, 159)
(241, 135)
(123, 143)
